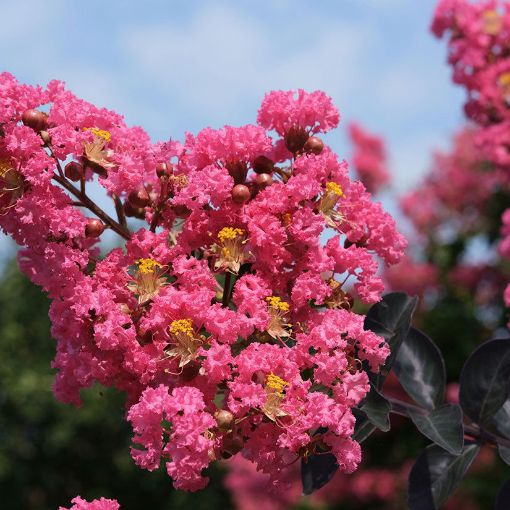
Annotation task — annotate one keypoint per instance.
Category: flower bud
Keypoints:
(94, 227)
(133, 212)
(263, 165)
(139, 198)
(224, 419)
(295, 139)
(74, 171)
(263, 180)
(314, 145)
(35, 119)
(237, 169)
(164, 169)
(240, 194)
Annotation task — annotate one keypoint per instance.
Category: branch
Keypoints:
(89, 204)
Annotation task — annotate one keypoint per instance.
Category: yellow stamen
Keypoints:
(277, 303)
(492, 22)
(276, 384)
(146, 266)
(184, 326)
(336, 189)
(229, 233)
(101, 133)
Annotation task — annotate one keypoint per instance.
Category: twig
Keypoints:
(89, 204)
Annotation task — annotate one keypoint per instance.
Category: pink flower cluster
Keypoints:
(479, 52)
(453, 204)
(226, 319)
(369, 159)
(95, 504)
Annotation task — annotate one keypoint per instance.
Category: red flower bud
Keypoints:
(295, 139)
(74, 171)
(263, 180)
(237, 169)
(164, 169)
(224, 419)
(314, 145)
(263, 165)
(35, 119)
(139, 198)
(94, 227)
(240, 194)
(133, 212)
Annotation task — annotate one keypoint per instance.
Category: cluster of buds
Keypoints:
(226, 318)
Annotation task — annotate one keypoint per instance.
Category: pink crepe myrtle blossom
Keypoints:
(369, 158)
(208, 315)
(96, 504)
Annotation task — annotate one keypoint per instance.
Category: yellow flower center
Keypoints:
(229, 234)
(276, 384)
(277, 303)
(101, 133)
(492, 22)
(182, 326)
(336, 189)
(147, 266)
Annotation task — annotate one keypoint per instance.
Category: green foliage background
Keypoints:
(51, 452)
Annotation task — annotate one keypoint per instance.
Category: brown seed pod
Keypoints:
(94, 227)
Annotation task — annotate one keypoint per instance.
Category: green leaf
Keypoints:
(377, 409)
(484, 380)
(504, 453)
(390, 318)
(420, 369)
(443, 426)
(363, 428)
(503, 497)
(317, 471)
(435, 475)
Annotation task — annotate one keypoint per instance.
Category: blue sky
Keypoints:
(176, 66)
